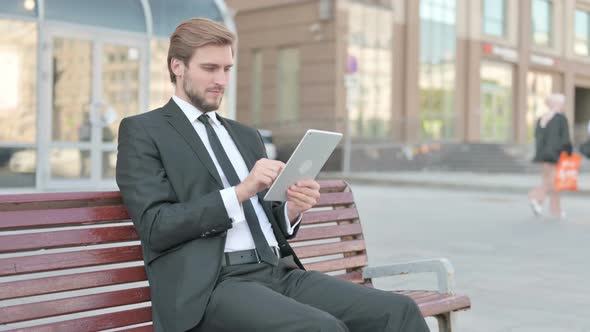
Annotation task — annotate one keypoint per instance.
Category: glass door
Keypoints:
(496, 102)
(93, 82)
(495, 114)
(119, 98)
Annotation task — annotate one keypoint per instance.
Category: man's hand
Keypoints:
(263, 174)
(301, 197)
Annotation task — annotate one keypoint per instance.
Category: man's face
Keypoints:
(204, 80)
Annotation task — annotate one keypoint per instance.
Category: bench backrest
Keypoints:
(74, 255)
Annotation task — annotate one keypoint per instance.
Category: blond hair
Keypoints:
(192, 34)
(555, 101)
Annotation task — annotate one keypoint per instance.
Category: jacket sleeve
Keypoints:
(161, 221)
(565, 143)
(278, 210)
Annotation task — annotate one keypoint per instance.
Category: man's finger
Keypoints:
(272, 163)
(308, 183)
(270, 173)
(266, 180)
(300, 206)
(306, 191)
(301, 197)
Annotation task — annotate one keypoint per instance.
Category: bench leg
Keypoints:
(445, 322)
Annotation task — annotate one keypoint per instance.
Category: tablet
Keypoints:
(307, 160)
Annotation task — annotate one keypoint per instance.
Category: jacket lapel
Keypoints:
(246, 153)
(183, 126)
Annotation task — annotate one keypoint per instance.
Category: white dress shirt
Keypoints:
(239, 236)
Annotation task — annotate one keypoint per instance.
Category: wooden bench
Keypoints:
(72, 261)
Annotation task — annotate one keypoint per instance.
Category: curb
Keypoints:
(439, 184)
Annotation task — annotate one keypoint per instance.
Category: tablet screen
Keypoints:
(307, 160)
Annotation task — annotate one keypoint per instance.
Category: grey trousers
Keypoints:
(260, 298)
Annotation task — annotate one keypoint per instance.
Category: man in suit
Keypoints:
(216, 254)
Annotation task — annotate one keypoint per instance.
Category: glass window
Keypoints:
(494, 17)
(69, 163)
(581, 32)
(167, 14)
(370, 43)
(496, 101)
(437, 68)
(109, 164)
(19, 7)
(18, 103)
(72, 90)
(288, 85)
(542, 20)
(17, 167)
(116, 14)
(120, 93)
(161, 88)
(18, 82)
(539, 86)
(256, 96)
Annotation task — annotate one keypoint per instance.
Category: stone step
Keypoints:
(478, 157)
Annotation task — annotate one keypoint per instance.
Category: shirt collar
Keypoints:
(191, 112)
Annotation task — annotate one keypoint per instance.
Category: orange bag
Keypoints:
(566, 172)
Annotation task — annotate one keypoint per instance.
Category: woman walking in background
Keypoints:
(585, 147)
(551, 138)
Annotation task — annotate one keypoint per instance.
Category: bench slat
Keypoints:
(147, 328)
(48, 285)
(446, 304)
(14, 220)
(57, 197)
(426, 298)
(335, 199)
(338, 264)
(318, 217)
(433, 303)
(96, 323)
(325, 186)
(326, 232)
(332, 185)
(356, 277)
(64, 306)
(329, 248)
(67, 238)
(416, 294)
(65, 260)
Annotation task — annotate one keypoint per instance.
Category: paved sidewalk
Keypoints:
(519, 183)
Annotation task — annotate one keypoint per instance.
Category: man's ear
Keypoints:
(177, 66)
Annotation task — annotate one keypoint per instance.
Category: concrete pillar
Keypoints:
(521, 70)
(398, 86)
(412, 72)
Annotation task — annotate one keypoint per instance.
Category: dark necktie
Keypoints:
(264, 251)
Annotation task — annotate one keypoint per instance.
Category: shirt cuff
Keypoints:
(289, 226)
(233, 207)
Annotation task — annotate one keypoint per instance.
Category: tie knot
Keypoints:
(204, 118)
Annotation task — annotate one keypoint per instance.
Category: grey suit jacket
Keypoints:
(171, 188)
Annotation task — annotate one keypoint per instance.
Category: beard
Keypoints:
(198, 99)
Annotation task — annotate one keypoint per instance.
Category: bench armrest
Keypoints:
(445, 273)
